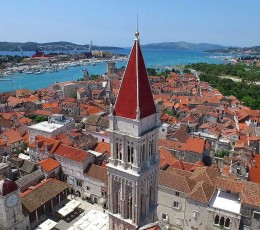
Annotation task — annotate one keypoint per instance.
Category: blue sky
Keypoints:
(113, 22)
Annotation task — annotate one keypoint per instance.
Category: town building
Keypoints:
(56, 124)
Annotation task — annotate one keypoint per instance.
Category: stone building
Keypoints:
(56, 124)
(134, 163)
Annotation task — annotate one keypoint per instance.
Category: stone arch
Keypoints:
(216, 219)
(227, 223)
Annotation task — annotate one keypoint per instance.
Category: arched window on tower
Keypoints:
(150, 197)
(143, 205)
(216, 220)
(117, 203)
(222, 221)
(130, 207)
(227, 223)
(119, 151)
(130, 154)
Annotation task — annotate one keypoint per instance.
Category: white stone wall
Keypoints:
(166, 198)
(190, 222)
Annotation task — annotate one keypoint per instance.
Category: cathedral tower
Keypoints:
(134, 162)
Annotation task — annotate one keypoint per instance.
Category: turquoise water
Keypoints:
(152, 58)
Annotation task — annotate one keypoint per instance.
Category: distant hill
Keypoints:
(183, 46)
(254, 50)
(62, 45)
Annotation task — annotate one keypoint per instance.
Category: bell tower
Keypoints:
(11, 211)
(134, 162)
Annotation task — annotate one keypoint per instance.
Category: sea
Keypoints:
(154, 58)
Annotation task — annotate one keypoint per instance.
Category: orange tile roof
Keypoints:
(42, 142)
(230, 185)
(12, 136)
(71, 153)
(48, 105)
(25, 120)
(103, 147)
(49, 164)
(254, 171)
(251, 193)
(97, 172)
(42, 112)
(170, 144)
(202, 192)
(194, 145)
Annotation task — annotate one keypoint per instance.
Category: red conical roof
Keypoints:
(135, 91)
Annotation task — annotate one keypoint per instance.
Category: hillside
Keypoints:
(244, 50)
(183, 46)
(62, 45)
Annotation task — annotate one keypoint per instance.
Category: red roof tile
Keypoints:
(49, 164)
(71, 153)
(12, 136)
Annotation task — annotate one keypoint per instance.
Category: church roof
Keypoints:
(135, 91)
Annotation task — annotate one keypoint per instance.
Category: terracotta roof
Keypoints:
(206, 174)
(25, 120)
(168, 158)
(254, 171)
(12, 136)
(71, 153)
(230, 185)
(195, 145)
(49, 164)
(170, 144)
(202, 192)
(97, 172)
(135, 90)
(42, 193)
(42, 112)
(176, 182)
(102, 147)
(42, 142)
(251, 193)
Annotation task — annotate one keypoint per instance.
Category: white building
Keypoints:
(56, 124)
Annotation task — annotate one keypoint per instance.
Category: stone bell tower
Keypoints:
(134, 163)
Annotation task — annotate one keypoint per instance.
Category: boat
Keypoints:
(39, 72)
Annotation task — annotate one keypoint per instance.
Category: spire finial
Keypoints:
(137, 31)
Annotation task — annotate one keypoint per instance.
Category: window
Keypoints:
(88, 188)
(222, 221)
(216, 220)
(130, 153)
(164, 216)
(119, 151)
(227, 223)
(104, 193)
(256, 215)
(177, 193)
(79, 183)
(176, 204)
(195, 215)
